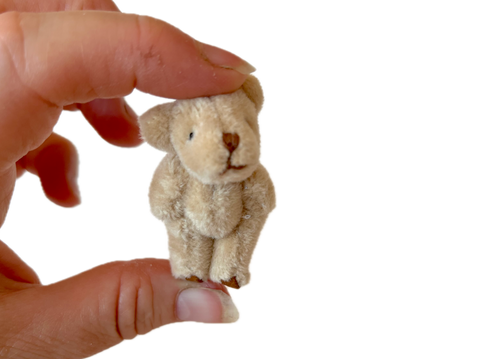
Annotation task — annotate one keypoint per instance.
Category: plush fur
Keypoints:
(210, 189)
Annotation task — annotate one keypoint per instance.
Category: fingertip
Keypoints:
(67, 197)
(55, 162)
(114, 120)
(57, 168)
(226, 59)
(205, 305)
(72, 107)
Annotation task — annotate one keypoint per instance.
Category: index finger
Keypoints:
(89, 54)
(51, 60)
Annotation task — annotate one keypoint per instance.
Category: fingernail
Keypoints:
(206, 306)
(226, 59)
(129, 111)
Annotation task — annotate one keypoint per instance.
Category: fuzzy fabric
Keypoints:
(210, 189)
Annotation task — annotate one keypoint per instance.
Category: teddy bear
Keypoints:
(210, 189)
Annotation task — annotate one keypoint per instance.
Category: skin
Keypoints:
(54, 58)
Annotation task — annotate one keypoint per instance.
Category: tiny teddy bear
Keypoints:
(210, 189)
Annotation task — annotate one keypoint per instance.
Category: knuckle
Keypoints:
(135, 305)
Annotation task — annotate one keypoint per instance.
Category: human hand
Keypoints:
(89, 60)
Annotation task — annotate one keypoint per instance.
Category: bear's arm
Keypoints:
(259, 193)
(166, 189)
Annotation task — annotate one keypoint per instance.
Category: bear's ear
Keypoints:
(254, 91)
(155, 126)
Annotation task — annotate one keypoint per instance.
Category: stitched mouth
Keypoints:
(230, 167)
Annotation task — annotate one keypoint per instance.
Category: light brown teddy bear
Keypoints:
(210, 189)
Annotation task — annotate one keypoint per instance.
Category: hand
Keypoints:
(50, 61)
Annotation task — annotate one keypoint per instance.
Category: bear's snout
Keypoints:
(231, 141)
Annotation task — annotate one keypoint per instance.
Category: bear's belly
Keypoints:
(214, 210)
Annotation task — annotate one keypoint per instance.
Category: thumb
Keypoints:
(97, 309)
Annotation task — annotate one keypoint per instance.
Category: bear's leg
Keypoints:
(190, 252)
(232, 254)
(225, 259)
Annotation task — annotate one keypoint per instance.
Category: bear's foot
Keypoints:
(194, 278)
(232, 283)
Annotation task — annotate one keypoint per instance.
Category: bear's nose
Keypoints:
(231, 141)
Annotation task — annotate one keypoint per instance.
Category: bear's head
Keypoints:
(216, 138)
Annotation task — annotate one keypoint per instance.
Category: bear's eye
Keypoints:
(190, 136)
